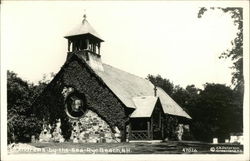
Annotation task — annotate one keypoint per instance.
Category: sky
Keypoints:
(141, 38)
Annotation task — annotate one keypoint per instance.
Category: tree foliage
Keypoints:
(165, 84)
(214, 114)
(21, 121)
(235, 104)
(236, 52)
(216, 110)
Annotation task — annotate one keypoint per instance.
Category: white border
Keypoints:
(211, 157)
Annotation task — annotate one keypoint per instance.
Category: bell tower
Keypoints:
(85, 41)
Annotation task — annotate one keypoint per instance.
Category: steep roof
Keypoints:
(169, 105)
(125, 85)
(144, 106)
(128, 87)
(83, 28)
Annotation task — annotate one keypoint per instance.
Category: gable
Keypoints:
(169, 105)
(99, 98)
(144, 106)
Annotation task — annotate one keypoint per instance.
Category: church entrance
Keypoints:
(148, 128)
(145, 129)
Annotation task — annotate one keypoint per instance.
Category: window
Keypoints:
(75, 106)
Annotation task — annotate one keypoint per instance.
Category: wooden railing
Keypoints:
(139, 135)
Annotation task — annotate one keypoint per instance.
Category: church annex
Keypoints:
(92, 101)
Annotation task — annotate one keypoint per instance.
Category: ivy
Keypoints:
(76, 74)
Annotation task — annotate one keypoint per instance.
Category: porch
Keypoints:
(145, 129)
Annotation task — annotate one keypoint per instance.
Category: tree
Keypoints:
(236, 53)
(216, 111)
(37, 89)
(21, 121)
(165, 84)
(193, 95)
(214, 114)
(181, 96)
(188, 99)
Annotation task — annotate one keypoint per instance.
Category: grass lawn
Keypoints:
(170, 147)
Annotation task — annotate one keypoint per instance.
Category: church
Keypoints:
(94, 102)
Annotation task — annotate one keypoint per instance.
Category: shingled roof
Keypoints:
(169, 105)
(128, 87)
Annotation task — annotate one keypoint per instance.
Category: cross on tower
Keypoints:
(155, 91)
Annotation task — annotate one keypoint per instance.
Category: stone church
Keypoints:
(90, 101)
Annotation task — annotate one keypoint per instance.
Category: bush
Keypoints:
(21, 122)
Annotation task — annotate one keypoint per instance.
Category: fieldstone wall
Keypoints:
(88, 129)
(49, 134)
(45, 135)
(92, 129)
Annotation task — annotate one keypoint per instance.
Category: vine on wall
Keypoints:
(99, 97)
(50, 105)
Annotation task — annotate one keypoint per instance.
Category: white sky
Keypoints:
(142, 38)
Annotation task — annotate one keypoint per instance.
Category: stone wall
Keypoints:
(90, 128)
(50, 134)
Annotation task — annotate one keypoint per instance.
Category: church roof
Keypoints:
(125, 85)
(144, 106)
(169, 105)
(129, 87)
(82, 29)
